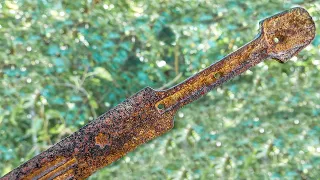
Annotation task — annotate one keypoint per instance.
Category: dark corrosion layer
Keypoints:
(140, 118)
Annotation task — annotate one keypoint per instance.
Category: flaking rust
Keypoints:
(149, 113)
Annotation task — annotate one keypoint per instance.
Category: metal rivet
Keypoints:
(217, 75)
(161, 106)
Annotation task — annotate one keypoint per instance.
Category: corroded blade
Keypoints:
(149, 113)
(113, 134)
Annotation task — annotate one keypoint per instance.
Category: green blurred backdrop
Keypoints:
(63, 63)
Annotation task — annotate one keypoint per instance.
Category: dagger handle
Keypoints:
(216, 74)
(281, 37)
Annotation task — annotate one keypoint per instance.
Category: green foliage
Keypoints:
(65, 62)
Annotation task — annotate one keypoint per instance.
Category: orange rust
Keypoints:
(102, 140)
(138, 119)
(60, 169)
(33, 173)
(67, 175)
(208, 77)
(293, 29)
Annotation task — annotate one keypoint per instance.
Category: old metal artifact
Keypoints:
(149, 113)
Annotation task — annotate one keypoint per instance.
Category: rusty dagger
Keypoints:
(149, 113)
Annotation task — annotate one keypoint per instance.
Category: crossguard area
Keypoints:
(287, 33)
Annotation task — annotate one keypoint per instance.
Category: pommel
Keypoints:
(287, 33)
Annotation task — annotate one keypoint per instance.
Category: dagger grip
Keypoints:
(214, 75)
(281, 37)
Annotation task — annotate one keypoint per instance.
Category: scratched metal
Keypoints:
(149, 113)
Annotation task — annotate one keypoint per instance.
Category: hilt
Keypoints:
(281, 36)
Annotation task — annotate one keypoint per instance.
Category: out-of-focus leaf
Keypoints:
(102, 73)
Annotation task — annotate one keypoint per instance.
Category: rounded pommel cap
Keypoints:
(287, 33)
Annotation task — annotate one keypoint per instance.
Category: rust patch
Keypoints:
(66, 167)
(44, 170)
(140, 119)
(102, 140)
(67, 175)
(288, 33)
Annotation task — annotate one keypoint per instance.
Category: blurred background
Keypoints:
(63, 63)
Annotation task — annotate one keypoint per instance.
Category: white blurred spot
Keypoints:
(213, 132)
(141, 58)
(316, 62)
(62, 13)
(105, 6)
(234, 47)
(311, 148)
(180, 115)
(294, 58)
(218, 144)
(70, 105)
(231, 95)
(296, 121)
(44, 101)
(318, 149)
(248, 72)
(265, 67)
(161, 63)
(301, 152)
(308, 48)
(261, 130)
(127, 159)
(29, 80)
(200, 46)
(18, 16)
(83, 39)
(63, 47)
(107, 104)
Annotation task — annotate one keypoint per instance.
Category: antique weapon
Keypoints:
(150, 113)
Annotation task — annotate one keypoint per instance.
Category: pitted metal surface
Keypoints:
(150, 113)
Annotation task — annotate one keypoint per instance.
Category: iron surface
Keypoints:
(149, 113)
